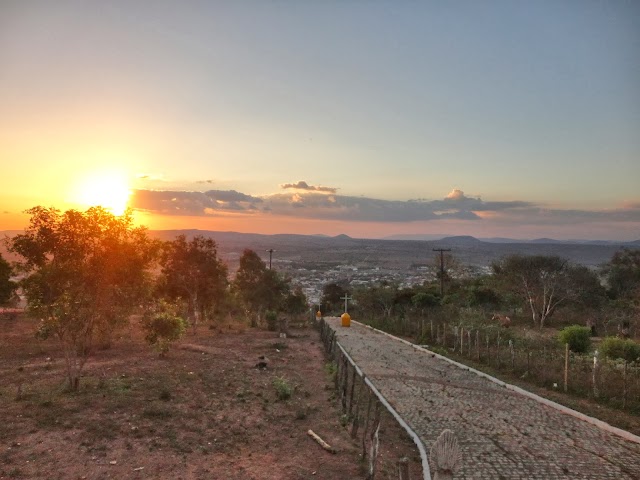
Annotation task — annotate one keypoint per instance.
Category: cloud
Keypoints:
(359, 209)
(171, 202)
(313, 204)
(302, 185)
(231, 196)
(204, 181)
(455, 194)
(549, 216)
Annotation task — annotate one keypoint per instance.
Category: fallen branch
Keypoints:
(321, 442)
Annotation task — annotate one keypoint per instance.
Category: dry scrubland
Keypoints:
(205, 411)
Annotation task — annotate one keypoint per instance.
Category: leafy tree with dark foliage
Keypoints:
(258, 287)
(87, 272)
(545, 283)
(193, 273)
(623, 274)
(7, 286)
(331, 297)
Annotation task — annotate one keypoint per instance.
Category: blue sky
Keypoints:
(532, 108)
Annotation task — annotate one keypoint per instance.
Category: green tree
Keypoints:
(623, 274)
(578, 338)
(7, 286)
(192, 272)
(163, 327)
(87, 272)
(331, 297)
(258, 287)
(545, 282)
(377, 299)
(295, 302)
(424, 300)
(619, 348)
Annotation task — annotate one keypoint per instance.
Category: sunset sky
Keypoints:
(494, 118)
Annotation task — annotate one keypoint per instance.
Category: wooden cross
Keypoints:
(346, 298)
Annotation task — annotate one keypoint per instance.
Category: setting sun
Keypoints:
(108, 190)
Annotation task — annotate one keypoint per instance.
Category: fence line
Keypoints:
(374, 400)
(599, 378)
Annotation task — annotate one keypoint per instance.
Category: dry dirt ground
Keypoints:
(203, 412)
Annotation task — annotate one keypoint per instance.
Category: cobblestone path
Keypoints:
(502, 434)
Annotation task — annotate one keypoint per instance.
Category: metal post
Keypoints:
(271, 250)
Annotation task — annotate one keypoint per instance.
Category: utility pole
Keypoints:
(441, 250)
(271, 250)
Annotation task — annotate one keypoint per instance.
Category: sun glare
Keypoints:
(108, 190)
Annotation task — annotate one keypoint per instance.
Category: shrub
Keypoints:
(578, 338)
(618, 348)
(331, 368)
(272, 320)
(283, 388)
(162, 329)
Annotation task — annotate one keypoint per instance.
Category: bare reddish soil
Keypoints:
(203, 412)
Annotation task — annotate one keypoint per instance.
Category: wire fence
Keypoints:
(546, 364)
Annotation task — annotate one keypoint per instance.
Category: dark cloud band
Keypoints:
(312, 204)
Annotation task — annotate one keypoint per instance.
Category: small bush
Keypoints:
(618, 348)
(161, 329)
(578, 338)
(272, 320)
(331, 368)
(283, 389)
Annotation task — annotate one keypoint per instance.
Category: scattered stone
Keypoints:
(262, 364)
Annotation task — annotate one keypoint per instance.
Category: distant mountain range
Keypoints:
(468, 238)
(320, 251)
(306, 250)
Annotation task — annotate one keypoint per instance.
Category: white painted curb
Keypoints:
(566, 410)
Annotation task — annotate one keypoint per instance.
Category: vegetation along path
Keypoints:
(502, 433)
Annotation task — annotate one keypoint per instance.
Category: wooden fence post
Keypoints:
(366, 426)
(624, 385)
(488, 351)
(566, 367)
(356, 415)
(353, 385)
(344, 383)
(594, 378)
(336, 379)
(403, 469)
(455, 338)
(513, 355)
(375, 443)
